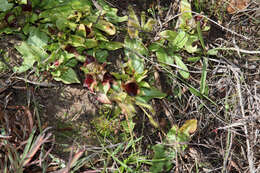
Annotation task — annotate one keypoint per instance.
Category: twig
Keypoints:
(237, 49)
(43, 84)
(249, 151)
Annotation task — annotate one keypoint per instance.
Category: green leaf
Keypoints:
(180, 40)
(194, 59)
(163, 57)
(186, 21)
(155, 46)
(68, 77)
(5, 5)
(185, 74)
(105, 26)
(140, 76)
(112, 45)
(81, 5)
(169, 35)
(101, 55)
(161, 161)
(151, 93)
(172, 135)
(204, 76)
(111, 13)
(133, 47)
(37, 38)
(195, 92)
(200, 36)
(30, 55)
(76, 41)
(148, 27)
(99, 35)
(90, 43)
(188, 46)
(133, 23)
(212, 52)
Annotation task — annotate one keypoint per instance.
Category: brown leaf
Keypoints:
(236, 5)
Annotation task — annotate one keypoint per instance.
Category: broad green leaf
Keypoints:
(68, 77)
(61, 23)
(81, 30)
(190, 126)
(140, 76)
(90, 43)
(151, 93)
(77, 41)
(99, 35)
(101, 55)
(112, 45)
(81, 5)
(37, 38)
(105, 26)
(163, 57)
(71, 63)
(169, 35)
(185, 74)
(161, 161)
(30, 55)
(177, 138)
(144, 84)
(188, 46)
(111, 13)
(134, 48)
(148, 27)
(155, 46)
(5, 5)
(180, 40)
(172, 134)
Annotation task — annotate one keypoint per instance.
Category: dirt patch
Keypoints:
(67, 109)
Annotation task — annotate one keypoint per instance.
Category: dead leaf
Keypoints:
(190, 126)
(236, 5)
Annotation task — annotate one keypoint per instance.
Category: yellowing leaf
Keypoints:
(186, 21)
(133, 23)
(190, 126)
(105, 26)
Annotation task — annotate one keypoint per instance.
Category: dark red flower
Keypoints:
(131, 88)
(52, 31)
(198, 18)
(88, 81)
(108, 77)
(11, 20)
(89, 59)
(28, 6)
(71, 49)
(88, 30)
